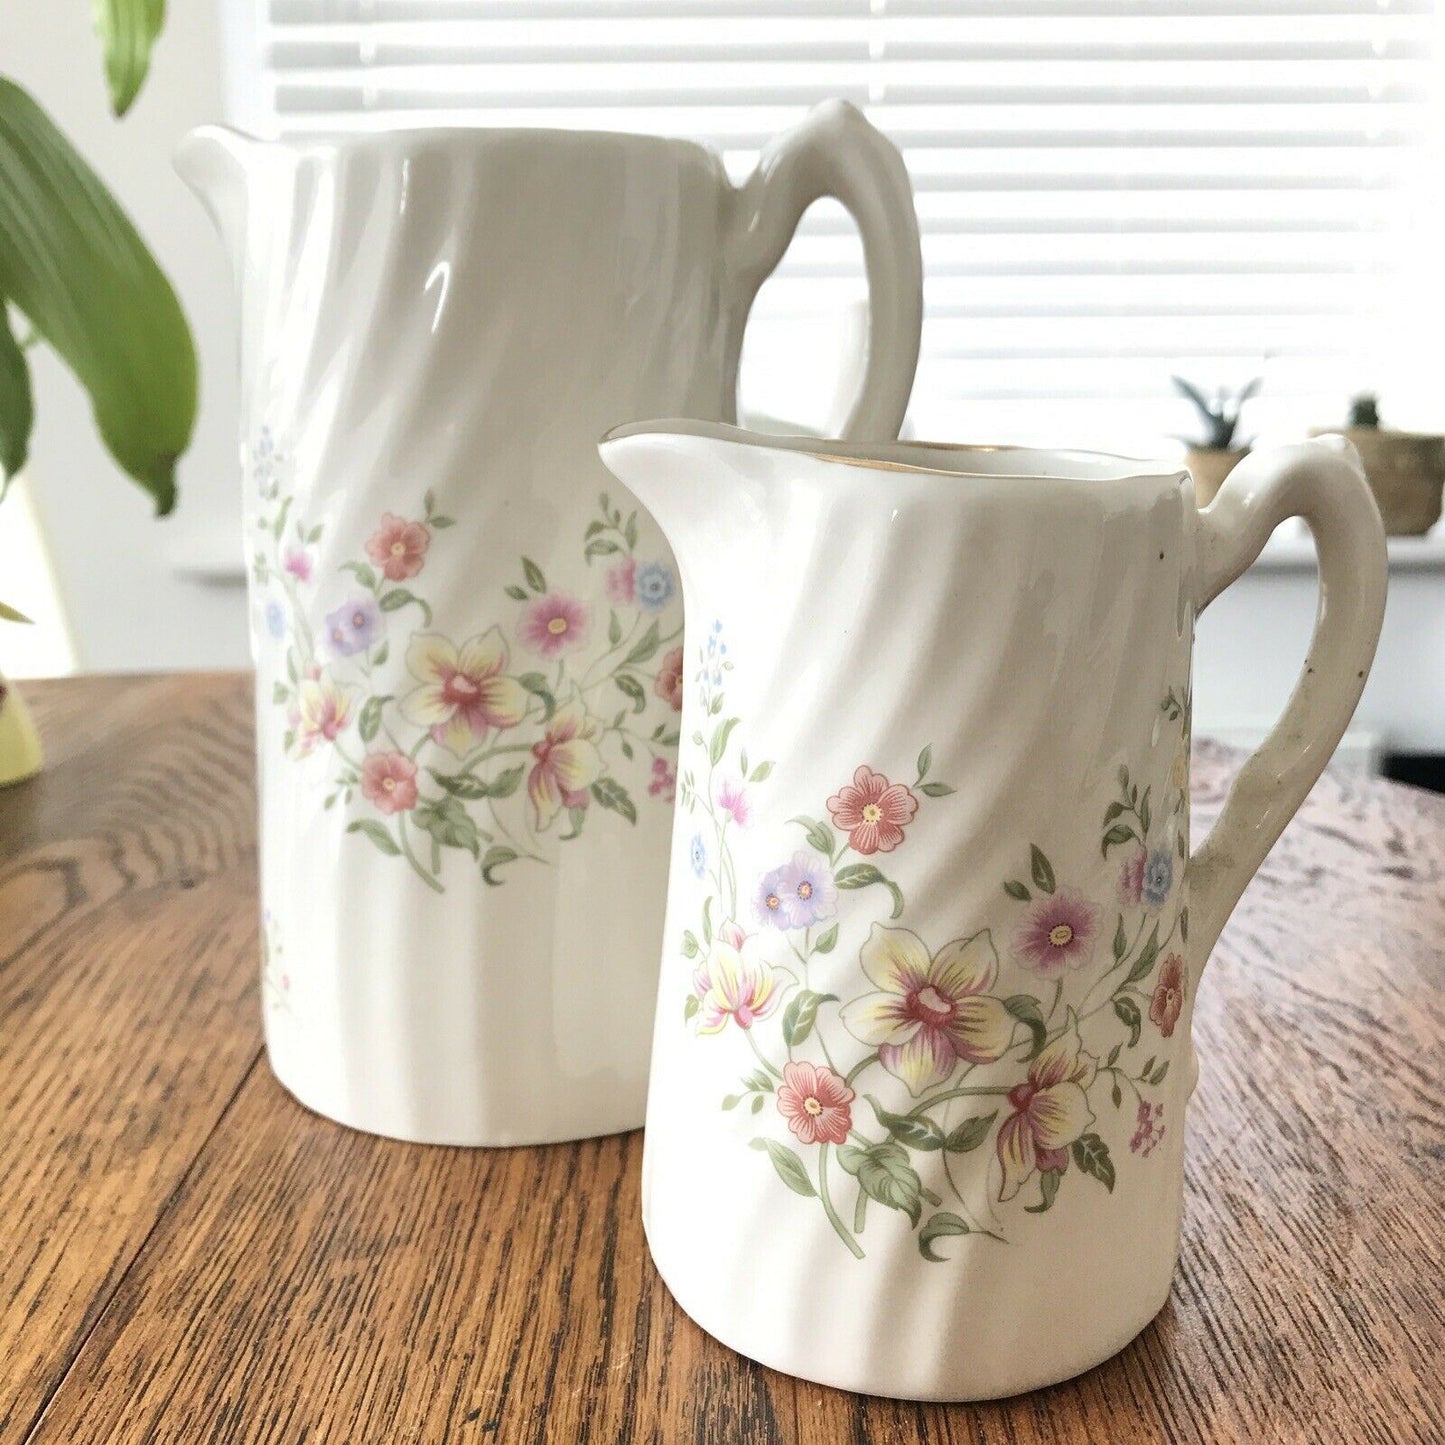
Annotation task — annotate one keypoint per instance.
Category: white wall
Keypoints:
(128, 605)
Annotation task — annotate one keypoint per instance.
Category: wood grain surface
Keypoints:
(187, 1255)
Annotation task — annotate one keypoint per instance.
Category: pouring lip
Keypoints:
(1069, 464)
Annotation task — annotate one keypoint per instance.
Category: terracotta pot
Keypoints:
(1209, 466)
(1406, 472)
(20, 756)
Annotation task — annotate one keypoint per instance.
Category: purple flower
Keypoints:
(1158, 877)
(1057, 933)
(353, 627)
(799, 894)
(275, 615)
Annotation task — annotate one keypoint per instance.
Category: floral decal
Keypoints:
(497, 745)
(930, 1092)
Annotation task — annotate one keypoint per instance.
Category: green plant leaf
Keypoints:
(969, 1134)
(690, 948)
(1119, 833)
(925, 761)
(1147, 956)
(801, 1013)
(612, 795)
(1091, 1154)
(912, 1131)
(1018, 890)
(495, 858)
(689, 1011)
(936, 790)
(1041, 868)
(533, 573)
(1128, 1014)
(719, 744)
(827, 941)
(938, 1227)
(17, 403)
(377, 834)
(1049, 1187)
(1121, 940)
(820, 835)
(1025, 1008)
(864, 875)
(73, 264)
(448, 821)
(645, 646)
(128, 29)
(884, 1173)
(789, 1166)
(630, 688)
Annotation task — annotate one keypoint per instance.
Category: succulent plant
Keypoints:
(1221, 416)
(1365, 411)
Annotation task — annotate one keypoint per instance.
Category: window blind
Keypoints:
(1109, 190)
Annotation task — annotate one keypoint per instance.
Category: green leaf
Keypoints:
(518, 594)
(1121, 940)
(730, 1101)
(969, 1134)
(630, 530)
(368, 722)
(864, 875)
(914, 1131)
(449, 824)
(819, 835)
(690, 1007)
(645, 646)
(1041, 868)
(884, 1174)
(17, 402)
(719, 745)
(690, 948)
(1025, 1008)
(1184, 925)
(630, 688)
(707, 921)
(614, 630)
(1147, 956)
(936, 790)
(611, 795)
(362, 572)
(789, 1166)
(495, 858)
(1119, 833)
(127, 29)
(1018, 890)
(828, 941)
(939, 1227)
(377, 834)
(533, 573)
(801, 1013)
(600, 547)
(1091, 1154)
(760, 773)
(925, 761)
(1049, 1186)
(441, 523)
(536, 684)
(1128, 1014)
(400, 597)
(71, 261)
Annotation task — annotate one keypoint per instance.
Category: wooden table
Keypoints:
(188, 1255)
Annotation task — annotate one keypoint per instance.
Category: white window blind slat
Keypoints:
(1109, 190)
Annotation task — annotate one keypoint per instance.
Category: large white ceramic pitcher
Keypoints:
(935, 930)
(469, 648)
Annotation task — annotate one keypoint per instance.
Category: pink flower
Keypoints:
(730, 986)
(873, 811)
(1131, 878)
(732, 799)
(664, 780)
(464, 691)
(398, 547)
(568, 763)
(1057, 933)
(553, 623)
(388, 782)
(732, 935)
(815, 1101)
(1050, 1110)
(1148, 1130)
(297, 562)
(929, 1013)
(1168, 1001)
(321, 714)
(621, 584)
(669, 679)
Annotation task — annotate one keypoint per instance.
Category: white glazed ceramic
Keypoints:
(934, 933)
(468, 653)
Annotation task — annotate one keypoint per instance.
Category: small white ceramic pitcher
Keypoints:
(469, 652)
(934, 932)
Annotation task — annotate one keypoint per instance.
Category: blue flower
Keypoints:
(354, 627)
(654, 586)
(275, 619)
(697, 852)
(1158, 877)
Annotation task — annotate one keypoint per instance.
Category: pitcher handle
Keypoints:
(1322, 482)
(836, 152)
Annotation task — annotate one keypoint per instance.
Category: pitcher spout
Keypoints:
(219, 164)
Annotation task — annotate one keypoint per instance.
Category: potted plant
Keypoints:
(1218, 449)
(77, 277)
(1406, 470)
